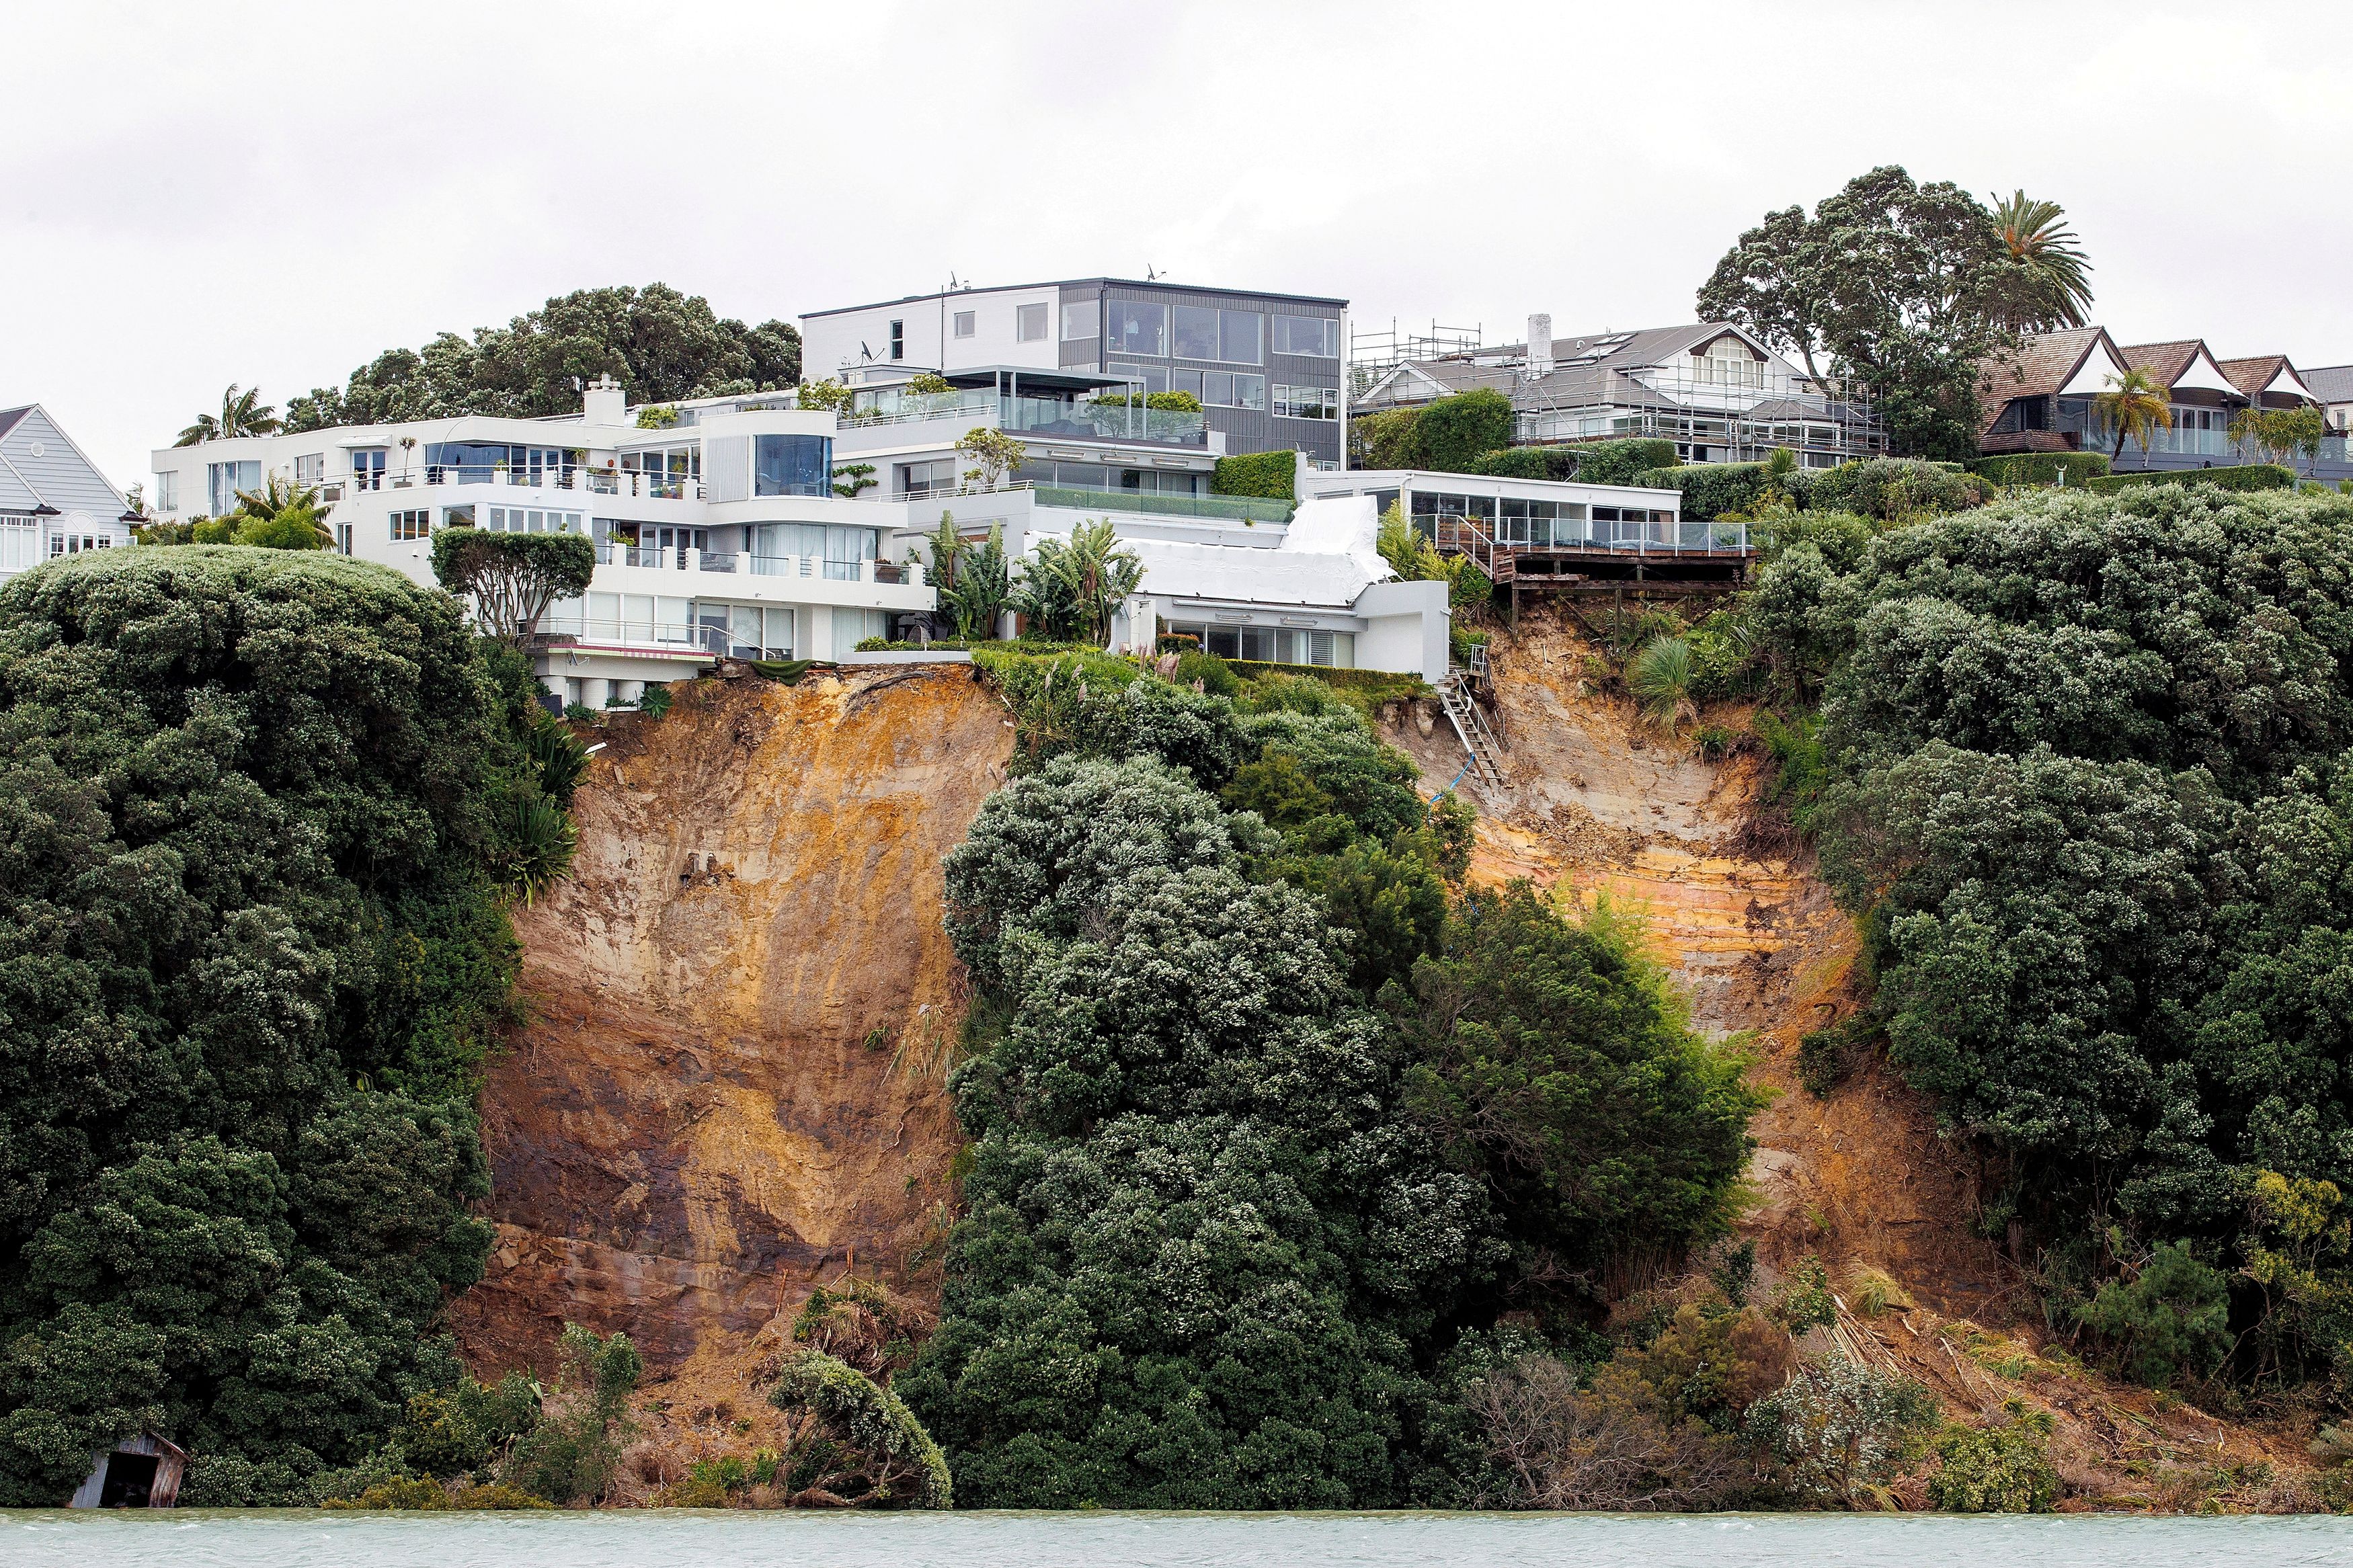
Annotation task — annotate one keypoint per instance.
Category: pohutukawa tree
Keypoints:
(511, 578)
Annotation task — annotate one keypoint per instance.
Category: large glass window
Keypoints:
(1231, 389)
(1154, 376)
(311, 468)
(227, 478)
(1138, 328)
(1185, 381)
(1307, 401)
(167, 491)
(1317, 335)
(792, 466)
(965, 320)
(1212, 334)
(1274, 645)
(1030, 323)
(1196, 332)
(1238, 337)
(1082, 322)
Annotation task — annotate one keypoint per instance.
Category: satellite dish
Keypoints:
(864, 352)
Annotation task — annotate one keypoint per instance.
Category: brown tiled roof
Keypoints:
(2164, 362)
(2024, 441)
(2043, 365)
(2252, 375)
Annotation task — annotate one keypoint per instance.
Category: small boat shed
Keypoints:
(138, 1472)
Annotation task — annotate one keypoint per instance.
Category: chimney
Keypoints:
(1539, 346)
(604, 403)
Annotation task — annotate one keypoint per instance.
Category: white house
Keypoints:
(719, 527)
(718, 534)
(53, 499)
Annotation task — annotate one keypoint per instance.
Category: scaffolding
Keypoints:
(1709, 421)
(1372, 355)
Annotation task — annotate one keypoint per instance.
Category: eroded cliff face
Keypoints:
(1596, 804)
(726, 1091)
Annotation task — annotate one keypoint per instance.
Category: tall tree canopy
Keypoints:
(2094, 797)
(659, 344)
(251, 952)
(1907, 289)
(1226, 1217)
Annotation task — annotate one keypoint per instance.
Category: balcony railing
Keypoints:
(587, 481)
(1039, 416)
(1229, 509)
(715, 562)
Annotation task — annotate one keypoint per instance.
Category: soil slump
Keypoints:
(713, 1107)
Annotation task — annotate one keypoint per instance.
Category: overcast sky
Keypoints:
(197, 194)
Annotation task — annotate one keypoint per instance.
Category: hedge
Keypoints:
(1617, 462)
(1527, 463)
(2244, 477)
(1265, 474)
(2042, 467)
(1711, 490)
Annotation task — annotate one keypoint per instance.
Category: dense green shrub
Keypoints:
(1203, 1241)
(878, 1454)
(2042, 467)
(1455, 432)
(1268, 474)
(1893, 489)
(2244, 477)
(2171, 1320)
(2088, 783)
(1617, 462)
(1711, 490)
(573, 1452)
(1214, 1258)
(252, 951)
(1560, 1072)
(1386, 439)
(1528, 463)
(2002, 1466)
(1837, 1429)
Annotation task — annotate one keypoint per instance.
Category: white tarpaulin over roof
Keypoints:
(1326, 558)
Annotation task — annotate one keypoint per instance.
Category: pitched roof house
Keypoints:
(2042, 400)
(1716, 391)
(53, 499)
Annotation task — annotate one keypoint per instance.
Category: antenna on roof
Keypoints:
(1149, 275)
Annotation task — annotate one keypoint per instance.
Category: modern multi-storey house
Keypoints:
(53, 499)
(1715, 390)
(721, 525)
(719, 534)
(2044, 401)
(1267, 368)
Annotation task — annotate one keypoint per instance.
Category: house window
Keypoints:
(938, 477)
(406, 525)
(898, 340)
(521, 520)
(311, 470)
(367, 468)
(227, 478)
(1231, 389)
(792, 465)
(1080, 322)
(1030, 323)
(1728, 362)
(1316, 335)
(1138, 328)
(1307, 401)
(20, 543)
(963, 323)
(167, 492)
(1228, 335)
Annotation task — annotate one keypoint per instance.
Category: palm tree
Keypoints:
(290, 506)
(2056, 291)
(1660, 677)
(2133, 406)
(242, 412)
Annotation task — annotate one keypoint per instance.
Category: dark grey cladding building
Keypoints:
(1269, 369)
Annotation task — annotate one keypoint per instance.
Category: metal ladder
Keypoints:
(1471, 727)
